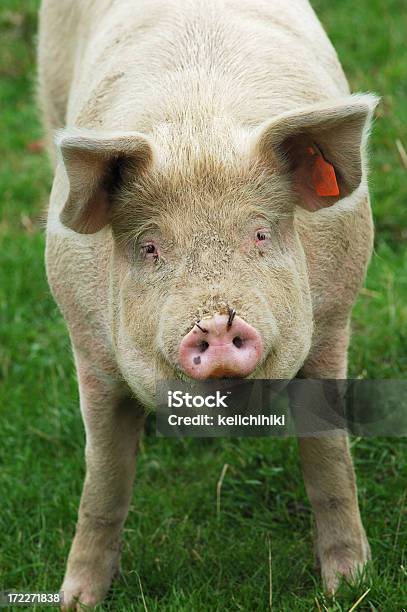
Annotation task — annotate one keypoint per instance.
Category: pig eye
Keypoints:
(150, 251)
(262, 235)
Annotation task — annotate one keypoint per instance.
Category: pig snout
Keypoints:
(222, 346)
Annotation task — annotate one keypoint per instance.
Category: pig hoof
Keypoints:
(83, 592)
(343, 562)
(86, 587)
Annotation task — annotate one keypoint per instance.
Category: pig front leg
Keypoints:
(341, 544)
(113, 424)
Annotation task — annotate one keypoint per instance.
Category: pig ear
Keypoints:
(321, 147)
(93, 162)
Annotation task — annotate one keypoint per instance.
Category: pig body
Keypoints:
(183, 192)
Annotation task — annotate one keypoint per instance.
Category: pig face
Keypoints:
(198, 247)
(209, 278)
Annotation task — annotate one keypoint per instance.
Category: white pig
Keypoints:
(210, 168)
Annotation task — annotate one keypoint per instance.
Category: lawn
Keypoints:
(180, 554)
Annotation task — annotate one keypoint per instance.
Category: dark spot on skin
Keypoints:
(330, 503)
(197, 360)
(334, 503)
(237, 341)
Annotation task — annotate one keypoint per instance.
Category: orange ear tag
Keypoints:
(323, 175)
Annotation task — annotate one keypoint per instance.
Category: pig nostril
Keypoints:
(203, 345)
(238, 342)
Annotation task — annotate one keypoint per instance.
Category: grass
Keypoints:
(179, 553)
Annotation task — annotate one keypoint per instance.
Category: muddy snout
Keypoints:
(222, 346)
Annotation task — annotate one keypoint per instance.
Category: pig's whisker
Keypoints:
(205, 331)
(232, 314)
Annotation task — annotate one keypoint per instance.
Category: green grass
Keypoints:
(177, 551)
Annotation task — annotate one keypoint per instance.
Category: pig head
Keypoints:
(207, 273)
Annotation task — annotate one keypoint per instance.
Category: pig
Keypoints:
(209, 217)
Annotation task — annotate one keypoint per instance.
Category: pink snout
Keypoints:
(220, 348)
